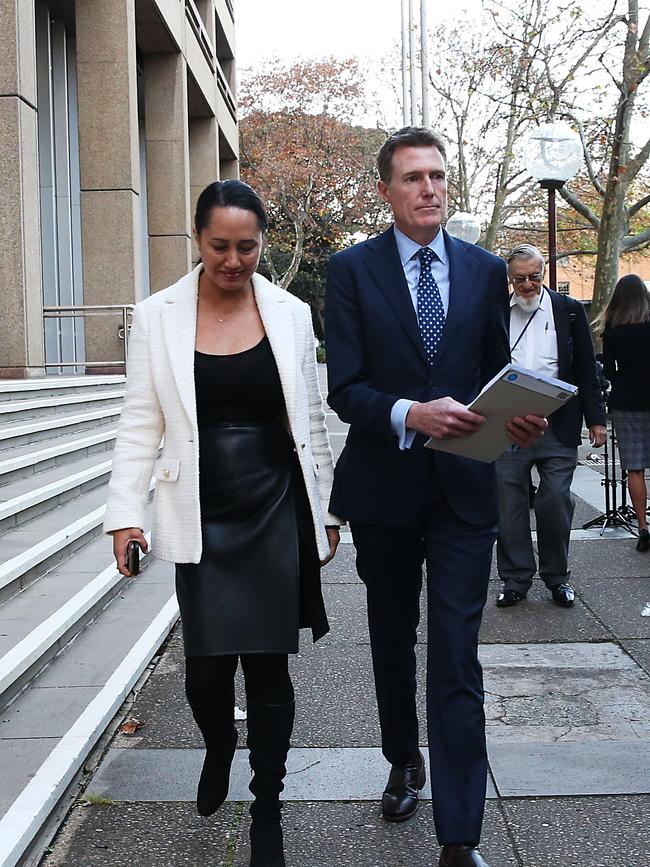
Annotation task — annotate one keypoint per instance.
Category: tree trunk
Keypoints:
(613, 222)
(609, 251)
(292, 270)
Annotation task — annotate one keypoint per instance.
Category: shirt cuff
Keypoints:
(398, 415)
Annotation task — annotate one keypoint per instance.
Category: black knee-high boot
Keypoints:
(216, 721)
(269, 733)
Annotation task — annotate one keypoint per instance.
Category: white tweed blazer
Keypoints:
(160, 401)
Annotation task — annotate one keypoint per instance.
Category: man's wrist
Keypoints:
(412, 415)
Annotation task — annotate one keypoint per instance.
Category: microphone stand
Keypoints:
(615, 515)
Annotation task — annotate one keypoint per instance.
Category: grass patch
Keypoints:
(96, 801)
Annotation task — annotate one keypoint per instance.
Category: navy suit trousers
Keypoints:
(458, 557)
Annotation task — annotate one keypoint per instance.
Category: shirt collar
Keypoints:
(542, 300)
(407, 247)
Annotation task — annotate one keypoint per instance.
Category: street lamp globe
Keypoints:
(553, 154)
(465, 226)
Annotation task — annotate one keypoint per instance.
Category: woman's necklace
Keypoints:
(233, 313)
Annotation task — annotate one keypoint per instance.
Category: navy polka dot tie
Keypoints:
(431, 313)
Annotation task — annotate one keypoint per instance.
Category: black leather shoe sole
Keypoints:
(400, 817)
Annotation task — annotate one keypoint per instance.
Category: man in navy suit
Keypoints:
(415, 326)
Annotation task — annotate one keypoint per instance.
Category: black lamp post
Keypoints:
(553, 155)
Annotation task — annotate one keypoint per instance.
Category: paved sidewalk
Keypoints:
(568, 707)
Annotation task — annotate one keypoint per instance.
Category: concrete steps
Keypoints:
(49, 386)
(53, 405)
(20, 500)
(48, 429)
(36, 546)
(49, 730)
(23, 461)
(75, 636)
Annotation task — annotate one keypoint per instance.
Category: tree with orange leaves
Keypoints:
(315, 167)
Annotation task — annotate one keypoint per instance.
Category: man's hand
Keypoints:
(333, 537)
(597, 435)
(526, 431)
(441, 418)
(121, 539)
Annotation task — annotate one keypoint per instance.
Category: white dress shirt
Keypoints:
(408, 249)
(537, 348)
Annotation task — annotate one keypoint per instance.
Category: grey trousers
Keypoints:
(554, 507)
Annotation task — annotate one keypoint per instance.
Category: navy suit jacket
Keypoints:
(375, 355)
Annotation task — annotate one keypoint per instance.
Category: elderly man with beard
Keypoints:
(549, 334)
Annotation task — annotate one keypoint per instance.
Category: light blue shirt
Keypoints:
(407, 249)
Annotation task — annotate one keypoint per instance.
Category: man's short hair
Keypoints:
(407, 137)
(527, 251)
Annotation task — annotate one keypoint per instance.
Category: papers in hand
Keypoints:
(514, 391)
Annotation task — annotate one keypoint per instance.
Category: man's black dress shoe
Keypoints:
(509, 598)
(563, 595)
(461, 856)
(400, 799)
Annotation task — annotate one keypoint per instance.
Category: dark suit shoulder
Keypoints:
(484, 256)
(464, 248)
(350, 254)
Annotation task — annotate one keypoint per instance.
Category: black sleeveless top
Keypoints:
(244, 387)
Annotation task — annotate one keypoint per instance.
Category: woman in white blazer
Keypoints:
(222, 368)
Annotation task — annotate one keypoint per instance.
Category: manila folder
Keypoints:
(514, 391)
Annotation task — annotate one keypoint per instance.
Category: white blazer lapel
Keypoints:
(278, 324)
(179, 330)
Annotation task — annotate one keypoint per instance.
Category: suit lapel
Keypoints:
(277, 319)
(462, 276)
(179, 330)
(383, 262)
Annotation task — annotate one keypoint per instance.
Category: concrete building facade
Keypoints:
(114, 114)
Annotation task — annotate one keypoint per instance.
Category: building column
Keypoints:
(204, 161)
(168, 168)
(109, 166)
(21, 326)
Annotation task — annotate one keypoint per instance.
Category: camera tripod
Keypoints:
(617, 512)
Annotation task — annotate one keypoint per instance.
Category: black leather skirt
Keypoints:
(245, 594)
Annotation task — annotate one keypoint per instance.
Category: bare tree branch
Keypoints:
(600, 189)
(635, 242)
(578, 205)
(275, 277)
(638, 206)
(635, 165)
(565, 254)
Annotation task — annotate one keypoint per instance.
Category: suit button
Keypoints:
(302, 445)
(165, 473)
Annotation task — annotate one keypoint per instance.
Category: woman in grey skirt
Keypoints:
(625, 325)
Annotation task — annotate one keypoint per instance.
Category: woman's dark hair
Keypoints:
(228, 194)
(629, 304)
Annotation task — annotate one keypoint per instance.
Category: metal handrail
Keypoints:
(83, 310)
